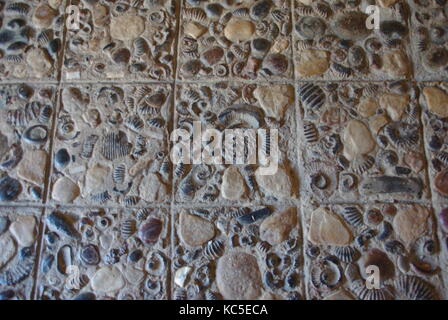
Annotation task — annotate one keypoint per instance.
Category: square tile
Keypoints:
(96, 253)
(26, 122)
(237, 253)
(235, 39)
(31, 39)
(397, 241)
(361, 141)
(19, 242)
(121, 41)
(111, 145)
(433, 99)
(261, 118)
(429, 40)
(337, 40)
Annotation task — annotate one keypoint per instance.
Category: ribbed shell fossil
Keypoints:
(115, 145)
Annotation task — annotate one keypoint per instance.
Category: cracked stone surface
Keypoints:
(95, 97)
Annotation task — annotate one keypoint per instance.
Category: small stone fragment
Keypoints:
(274, 99)
(240, 30)
(278, 184)
(65, 190)
(437, 101)
(378, 122)
(357, 140)
(312, 62)
(326, 228)
(181, 276)
(238, 276)
(394, 104)
(233, 185)
(33, 166)
(195, 231)
(396, 64)
(416, 161)
(24, 230)
(39, 62)
(276, 228)
(95, 179)
(367, 107)
(108, 280)
(127, 27)
(411, 223)
(152, 188)
(194, 30)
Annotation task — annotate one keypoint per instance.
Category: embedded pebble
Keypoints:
(394, 104)
(233, 185)
(32, 168)
(240, 30)
(238, 276)
(328, 229)
(107, 280)
(274, 99)
(127, 27)
(437, 100)
(65, 190)
(411, 223)
(194, 230)
(277, 184)
(276, 228)
(24, 230)
(357, 139)
(312, 62)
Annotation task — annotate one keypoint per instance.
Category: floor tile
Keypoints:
(342, 241)
(429, 39)
(19, 243)
(99, 253)
(259, 110)
(26, 118)
(243, 40)
(336, 40)
(218, 251)
(31, 39)
(121, 41)
(361, 141)
(111, 145)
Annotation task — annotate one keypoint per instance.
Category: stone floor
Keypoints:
(91, 206)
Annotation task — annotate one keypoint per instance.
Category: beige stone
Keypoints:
(233, 185)
(96, 178)
(394, 104)
(387, 3)
(415, 160)
(194, 30)
(43, 16)
(312, 62)
(152, 188)
(357, 139)
(437, 101)
(33, 166)
(278, 184)
(127, 27)
(274, 99)
(100, 15)
(55, 4)
(238, 276)
(280, 46)
(195, 231)
(65, 190)
(39, 62)
(24, 230)
(411, 223)
(239, 30)
(326, 228)
(107, 280)
(276, 228)
(7, 249)
(378, 122)
(367, 107)
(396, 64)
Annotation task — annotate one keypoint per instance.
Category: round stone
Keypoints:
(238, 276)
(277, 184)
(326, 228)
(412, 223)
(312, 62)
(357, 139)
(24, 230)
(261, 45)
(128, 27)
(233, 185)
(212, 56)
(43, 16)
(65, 190)
(195, 231)
(276, 63)
(90, 255)
(240, 30)
(260, 9)
(108, 279)
(276, 228)
(437, 101)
